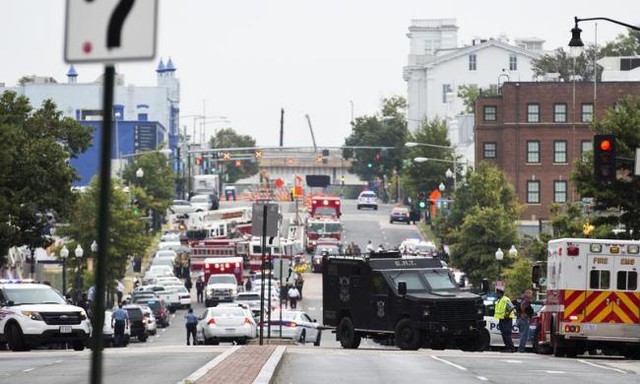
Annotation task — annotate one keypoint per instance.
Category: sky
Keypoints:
(248, 59)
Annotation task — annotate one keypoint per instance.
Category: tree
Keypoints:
(426, 176)
(126, 231)
(469, 94)
(35, 146)
(482, 219)
(389, 129)
(620, 198)
(228, 138)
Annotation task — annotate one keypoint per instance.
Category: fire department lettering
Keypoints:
(600, 260)
(627, 262)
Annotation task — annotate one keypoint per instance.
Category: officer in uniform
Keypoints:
(505, 313)
(191, 321)
(119, 321)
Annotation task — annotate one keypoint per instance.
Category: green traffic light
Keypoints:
(135, 212)
(369, 165)
(422, 204)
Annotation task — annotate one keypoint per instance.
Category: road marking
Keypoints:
(601, 366)
(460, 367)
(552, 372)
(28, 370)
(58, 361)
(482, 378)
(513, 361)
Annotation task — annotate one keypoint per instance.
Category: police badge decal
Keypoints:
(344, 289)
(380, 311)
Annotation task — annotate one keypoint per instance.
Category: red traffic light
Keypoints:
(605, 145)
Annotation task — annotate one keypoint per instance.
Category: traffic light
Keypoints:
(604, 158)
(199, 160)
(319, 159)
(422, 201)
(226, 156)
(377, 156)
(238, 163)
(258, 154)
(369, 165)
(325, 156)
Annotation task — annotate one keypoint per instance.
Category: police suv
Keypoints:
(412, 302)
(33, 314)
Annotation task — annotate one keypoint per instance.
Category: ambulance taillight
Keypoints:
(572, 250)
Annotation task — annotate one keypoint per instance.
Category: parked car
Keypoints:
(367, 199)
(159, 309)
(137, 322)
(201, 203)
(184, 296)
(181, 207)
(400, 214)
(296, 325)
(152, 326)
(107, 331)
(226, 323)
(495, 341)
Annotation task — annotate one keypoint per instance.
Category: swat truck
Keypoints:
(412, 302)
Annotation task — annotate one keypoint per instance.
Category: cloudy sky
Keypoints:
(247, 59)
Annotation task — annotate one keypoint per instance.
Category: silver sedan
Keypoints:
(226, 323)
(296, 325)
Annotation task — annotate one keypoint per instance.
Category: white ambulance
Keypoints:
(592, 298)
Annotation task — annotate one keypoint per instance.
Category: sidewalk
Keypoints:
(249, 364)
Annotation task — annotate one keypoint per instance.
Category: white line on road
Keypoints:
(482, 378)
(513, 361)
(58, 361)
(28, 370)
(552, 372)
(601, 366)
(460, 367)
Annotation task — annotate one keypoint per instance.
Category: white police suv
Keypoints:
(33, 314)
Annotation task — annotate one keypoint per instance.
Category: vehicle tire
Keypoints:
(375, 208)
(537, 347)
(172, 310)
(15, 340)
(390, 221)
(154, 332)
(78, 345)
(303, 337)
(408, 222)
(318, 339)
(347, 335)
(215, 341)
(358, 207)
(143, 338)
(407, 336)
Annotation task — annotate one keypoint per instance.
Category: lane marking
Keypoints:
(28, 370)
(513, 361)
(602, 366)
(482, 378)
(460, 367)
(552, 372)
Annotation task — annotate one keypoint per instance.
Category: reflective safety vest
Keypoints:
(501, 309)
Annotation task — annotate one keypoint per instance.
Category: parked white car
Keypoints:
(226, 323)
(181, 207)
(293, 324)
(201, 203)
(150, 319)
(367, 199)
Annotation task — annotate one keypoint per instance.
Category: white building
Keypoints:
(437, 67)
(145, 117)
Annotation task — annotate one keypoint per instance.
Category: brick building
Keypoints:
(534, 131)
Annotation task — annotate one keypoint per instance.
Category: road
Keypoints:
(165, 358)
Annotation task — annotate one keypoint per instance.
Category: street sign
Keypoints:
(268, 224)
(110, 30)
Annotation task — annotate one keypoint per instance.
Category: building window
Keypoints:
(513, 62)
(489, 150)
(560, 191)
(472, 62)
(587, 113)
(560, 152)
(533, 151)
(533, 192)
(585, 146)
(560, 113)
(446, 93)
(533, 113)
(490, 112)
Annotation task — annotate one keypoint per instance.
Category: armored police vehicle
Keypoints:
(412, 302)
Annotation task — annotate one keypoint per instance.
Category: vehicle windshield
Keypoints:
(333, 227)
(424, 248)
(411, 278)
(316, 227)
(439, 279)
(226, 311)
(34, 295)
(326, 211)
(220, 279)
(248, 297)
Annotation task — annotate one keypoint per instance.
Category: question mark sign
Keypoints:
(116, 22)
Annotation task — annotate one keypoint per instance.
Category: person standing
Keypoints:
(369, 247)
(504, 313)
(524, 319)
(200, 289)
(191, 321)
(248, 285)
(119, 322)
(293, 295)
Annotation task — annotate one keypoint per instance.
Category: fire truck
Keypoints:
(323, 220)
(592, 298)
(288, 251)
(218, 224)
(221, 247)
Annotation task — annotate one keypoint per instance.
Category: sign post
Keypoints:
(107, 31)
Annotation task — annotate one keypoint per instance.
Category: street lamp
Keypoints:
(513, 252)
(139, 173)
(576, 45)
(499, 257)
(441, 187)
(64, 253)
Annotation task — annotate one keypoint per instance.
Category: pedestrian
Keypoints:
(188, 284)
(284, 295)
(524, 312)
(85, 304)
(191, 322)
(293, 295)
(505, 313)
(119, 290)
(248, 285)
(380, 248)
(369, 247)
(199, 289)
(119, 322)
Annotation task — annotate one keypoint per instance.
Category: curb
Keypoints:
(207, 367)
(269, 368)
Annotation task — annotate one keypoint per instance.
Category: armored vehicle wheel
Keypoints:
(407, 336)
(479, 343)
(347, 335)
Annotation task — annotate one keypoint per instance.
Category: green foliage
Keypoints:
(469, 94)
(518, 277)
(228, 138)
(428, 175)
(387, 130)
(35, 145)
(616, 203)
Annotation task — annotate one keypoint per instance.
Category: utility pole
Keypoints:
(281, 127)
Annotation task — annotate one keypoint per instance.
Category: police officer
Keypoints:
(191, 321)
(200, 289)
(119, 321)
(505, 313)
